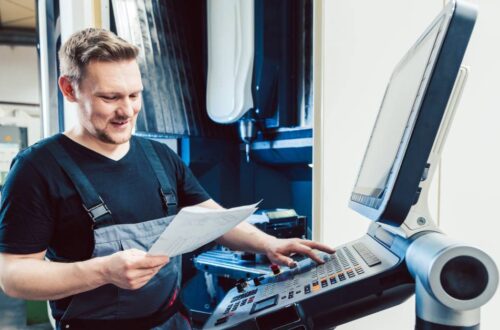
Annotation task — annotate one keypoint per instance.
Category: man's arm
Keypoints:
(245, 237)
(31, 277)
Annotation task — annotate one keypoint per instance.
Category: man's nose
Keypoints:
(127, 107)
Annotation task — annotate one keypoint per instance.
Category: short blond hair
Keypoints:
(89, 45)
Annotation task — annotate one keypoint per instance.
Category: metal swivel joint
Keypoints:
(453, 281)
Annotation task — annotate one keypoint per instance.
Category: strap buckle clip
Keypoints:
(169, 199)
(97, 210)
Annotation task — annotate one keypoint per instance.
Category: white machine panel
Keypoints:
(230, 59)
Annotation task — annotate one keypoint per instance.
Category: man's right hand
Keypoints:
(132, 269)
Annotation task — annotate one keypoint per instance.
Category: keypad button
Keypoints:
(221, 320)
(367, 255)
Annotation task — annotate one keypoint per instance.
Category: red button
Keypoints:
(276, 269)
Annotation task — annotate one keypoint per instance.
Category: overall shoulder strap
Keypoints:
(166, 191)
(92, 202)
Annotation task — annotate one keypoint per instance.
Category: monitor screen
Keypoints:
(409, 117)
(399, 102)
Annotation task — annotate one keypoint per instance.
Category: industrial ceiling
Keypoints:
(17, 22)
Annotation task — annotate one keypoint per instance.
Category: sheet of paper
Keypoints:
(195, 226)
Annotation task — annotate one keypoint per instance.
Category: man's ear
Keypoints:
(67, 89)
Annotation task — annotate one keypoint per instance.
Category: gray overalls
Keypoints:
(154, 306)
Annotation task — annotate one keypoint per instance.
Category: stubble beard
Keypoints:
(106, 137)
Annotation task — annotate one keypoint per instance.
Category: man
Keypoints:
(93, 199)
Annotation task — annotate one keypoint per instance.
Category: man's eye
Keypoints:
(109, 98)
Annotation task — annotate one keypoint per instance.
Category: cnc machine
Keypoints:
(403, 252)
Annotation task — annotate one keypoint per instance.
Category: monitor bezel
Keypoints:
(402, 186)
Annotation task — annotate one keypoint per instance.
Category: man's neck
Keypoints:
(109, 150)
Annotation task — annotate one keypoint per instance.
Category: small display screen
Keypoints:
(263, 304)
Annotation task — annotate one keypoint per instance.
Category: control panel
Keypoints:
(284, 289)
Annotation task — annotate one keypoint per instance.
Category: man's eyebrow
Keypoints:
(104, 91)
(117, 93)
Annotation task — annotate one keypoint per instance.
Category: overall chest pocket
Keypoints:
(155, 294)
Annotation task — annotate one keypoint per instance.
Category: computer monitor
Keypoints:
(410, 116)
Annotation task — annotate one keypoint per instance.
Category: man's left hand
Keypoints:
(279, 250)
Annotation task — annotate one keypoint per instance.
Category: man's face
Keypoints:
(109, 99)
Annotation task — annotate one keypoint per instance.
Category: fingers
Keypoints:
(143, 280)
(148, 261)
(137, 283)
(298, 246)
(306, 247)
(134, 258)
(137, 278)
(148, 264)
(282, 260)
(306, 250)
(137, 273)
(317, 246)
(132, 268)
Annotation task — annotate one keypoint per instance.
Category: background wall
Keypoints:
(362, 41)
(19, 89)
(18, 74)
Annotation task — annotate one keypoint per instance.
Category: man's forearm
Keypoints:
(243, 237)
(43, 280)
(246, 237)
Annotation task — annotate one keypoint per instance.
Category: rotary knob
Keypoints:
(241, 285)
(257, 281)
